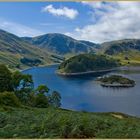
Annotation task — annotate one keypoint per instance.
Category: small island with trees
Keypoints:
(87, 63)
(116, 81)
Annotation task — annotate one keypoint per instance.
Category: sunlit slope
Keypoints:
(127, 50)
(13, 49)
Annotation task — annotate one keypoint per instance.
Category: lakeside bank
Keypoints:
(85, 73)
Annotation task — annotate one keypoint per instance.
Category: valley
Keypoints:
(21, 53)
(69, 70)
(95, 115)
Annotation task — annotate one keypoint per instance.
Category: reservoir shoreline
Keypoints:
(85, 73)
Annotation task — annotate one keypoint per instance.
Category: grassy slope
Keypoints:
(133, 56)
(12, 49)
(58, 123)
(120, 49)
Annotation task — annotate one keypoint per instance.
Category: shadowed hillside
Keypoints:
(17, 53)
(61, 44)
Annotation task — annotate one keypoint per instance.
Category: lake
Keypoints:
(84, 93)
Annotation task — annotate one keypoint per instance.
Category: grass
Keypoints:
(133, 58)
(29, 122)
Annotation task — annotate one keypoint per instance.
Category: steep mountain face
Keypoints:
(91, 44)
(120, 46)
(15, 52)
(61, 44)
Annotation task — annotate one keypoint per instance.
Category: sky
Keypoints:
(93, 21)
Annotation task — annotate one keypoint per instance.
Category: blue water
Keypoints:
(84, 93)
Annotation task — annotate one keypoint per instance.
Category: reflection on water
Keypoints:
(84, 93)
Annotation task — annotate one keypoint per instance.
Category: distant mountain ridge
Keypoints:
(61, 44)
(22, 52)
(120, 46)
(127, 51)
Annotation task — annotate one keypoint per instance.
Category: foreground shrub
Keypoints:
(40, 97)
(23, 87)
(55, 99)
(26, 97)
(44, 99)
(43, 89)
(41, 101)
(22, 81)
(5, 79)
(9, 99)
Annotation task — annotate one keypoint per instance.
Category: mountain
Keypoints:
(17, 53)
(25, 52)
(91, 44)
(120, 46)
(61, 44)
(126, 50)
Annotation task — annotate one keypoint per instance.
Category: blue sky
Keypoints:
(30, 14)
(93, 21)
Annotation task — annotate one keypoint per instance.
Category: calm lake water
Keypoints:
(84, 93)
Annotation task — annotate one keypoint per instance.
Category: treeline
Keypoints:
(17, 89)
(30, 62)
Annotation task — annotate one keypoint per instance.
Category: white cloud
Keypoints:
(114, 20)
(64, 11)
(68, 34)
(18, 29)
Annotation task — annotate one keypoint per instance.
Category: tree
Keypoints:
(16, 78)
(22, 81)
(9, 99)
(55, 99)
(42, 89)
(5, 79)
(23, 86)
(41, 100)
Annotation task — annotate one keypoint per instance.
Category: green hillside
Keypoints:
(21, 53)
(128, 58)
(87, 62)
(127, 50)
(120, 46)
(18, 54)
